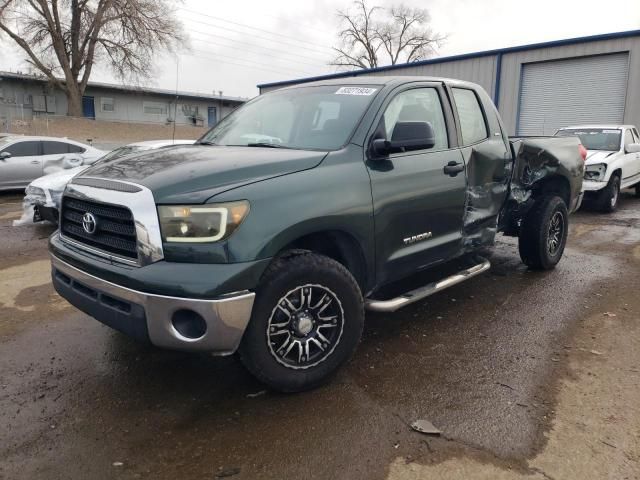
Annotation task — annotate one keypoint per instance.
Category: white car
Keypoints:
(42, 199)
(612, 163)
(25, 158)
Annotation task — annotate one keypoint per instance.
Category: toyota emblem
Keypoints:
(89, 223)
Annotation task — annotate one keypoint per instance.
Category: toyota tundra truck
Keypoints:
(274, 233)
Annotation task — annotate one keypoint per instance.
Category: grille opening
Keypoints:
(62, 277)
(89, 292)
(115, 230)
(116, 304)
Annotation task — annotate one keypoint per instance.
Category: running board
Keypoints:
(427, 290)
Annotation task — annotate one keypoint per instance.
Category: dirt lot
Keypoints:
(529, 375)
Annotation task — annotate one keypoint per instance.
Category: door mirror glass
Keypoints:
(406, 136)
(4, 155)
(633, 148)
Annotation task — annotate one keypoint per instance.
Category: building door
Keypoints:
(88, 107)
(575, 91)
(212, 116)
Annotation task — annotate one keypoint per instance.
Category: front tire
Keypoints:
(307, 321)
(609, 196)
(543, 233)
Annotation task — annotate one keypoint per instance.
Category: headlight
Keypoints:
(595, 172)
(201, 223)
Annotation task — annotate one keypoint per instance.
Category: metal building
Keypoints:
(541, 87)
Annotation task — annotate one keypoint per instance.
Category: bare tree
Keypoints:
(402, 35)
(64, 39)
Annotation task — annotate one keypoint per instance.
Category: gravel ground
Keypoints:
(527, 374)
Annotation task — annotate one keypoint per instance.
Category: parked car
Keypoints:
(613, 161)
(25, 158)
(42, 196)
(274, 232)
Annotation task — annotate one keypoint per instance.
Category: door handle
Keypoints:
(35, 162)
(453, 168)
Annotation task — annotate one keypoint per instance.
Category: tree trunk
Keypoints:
(74, 101)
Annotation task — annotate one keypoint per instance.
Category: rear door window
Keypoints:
(54, 148)
(75, 148)
(24, 149)
(472, 123)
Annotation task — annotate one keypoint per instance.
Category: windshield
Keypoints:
(307, 118)
(595, 138)
(121, 152)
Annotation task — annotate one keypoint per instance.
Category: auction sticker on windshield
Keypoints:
(355, 91)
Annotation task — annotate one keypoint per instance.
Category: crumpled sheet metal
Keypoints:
(487, 186)
(64, 162)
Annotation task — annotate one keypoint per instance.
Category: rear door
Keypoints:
(418, 208)
(23, 166)
(488, 161)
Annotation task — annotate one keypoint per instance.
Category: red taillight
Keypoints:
(583, 152)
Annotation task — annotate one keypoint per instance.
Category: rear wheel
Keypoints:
(307, 321)
(608, 197)
(543, 233)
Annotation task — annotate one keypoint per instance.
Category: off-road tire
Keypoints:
(608, 198)
(289, 273)
(535, 233)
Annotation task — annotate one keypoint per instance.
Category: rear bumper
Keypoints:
(154, 318)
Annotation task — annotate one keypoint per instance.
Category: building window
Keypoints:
(107, 104)
(154, 108)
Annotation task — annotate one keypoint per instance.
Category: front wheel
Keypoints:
(608, 197)
(543, 233)
(307, 321)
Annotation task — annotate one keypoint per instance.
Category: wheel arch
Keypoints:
(336, 244)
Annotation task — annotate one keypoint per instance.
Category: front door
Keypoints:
(88, 107)
(22, 166)
(418, 208)
(631, 165)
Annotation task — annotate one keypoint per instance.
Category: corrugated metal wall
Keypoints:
(482, 70)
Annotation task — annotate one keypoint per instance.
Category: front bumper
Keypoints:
(45, 212)
(154, 318)
(592, 185)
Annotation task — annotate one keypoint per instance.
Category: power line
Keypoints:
(306, 55)
(244, 25)
(232, 63)
(289, 60)
(268, 65)
(257, 36)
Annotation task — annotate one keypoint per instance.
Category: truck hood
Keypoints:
(599, 156)
(194, 173)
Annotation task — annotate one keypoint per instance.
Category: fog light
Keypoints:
(189, 324)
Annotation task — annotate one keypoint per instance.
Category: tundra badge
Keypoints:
(417, 238)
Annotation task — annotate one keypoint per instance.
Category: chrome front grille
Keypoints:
(115, 230)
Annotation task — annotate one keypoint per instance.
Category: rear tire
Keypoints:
(307, 321)
(543, 233)
(608, 198)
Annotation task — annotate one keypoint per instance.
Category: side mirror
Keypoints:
(632, 148)
(4, 155)
(406, 136)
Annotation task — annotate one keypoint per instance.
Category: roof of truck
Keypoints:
(381, 80)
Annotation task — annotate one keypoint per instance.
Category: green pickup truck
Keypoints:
(275, 231)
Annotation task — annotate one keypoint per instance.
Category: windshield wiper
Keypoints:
(206, 142)
(266, 144)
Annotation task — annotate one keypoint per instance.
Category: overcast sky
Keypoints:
(238, 44)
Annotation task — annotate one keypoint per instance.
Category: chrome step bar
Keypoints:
(423, 292)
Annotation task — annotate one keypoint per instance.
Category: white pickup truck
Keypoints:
(613, 161)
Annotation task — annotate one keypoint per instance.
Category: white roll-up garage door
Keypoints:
(583, 90)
